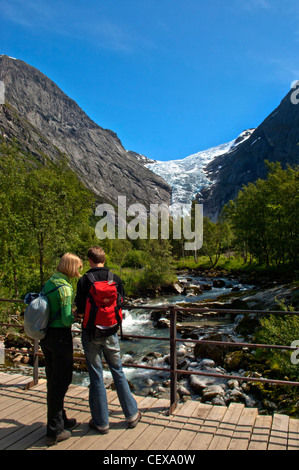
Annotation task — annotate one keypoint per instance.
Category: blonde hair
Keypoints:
(70, 264)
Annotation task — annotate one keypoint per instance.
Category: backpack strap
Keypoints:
(52, 290)
(56, 316)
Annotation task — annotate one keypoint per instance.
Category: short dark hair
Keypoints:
(96, 254)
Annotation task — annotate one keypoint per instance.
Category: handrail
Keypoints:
(173, 339)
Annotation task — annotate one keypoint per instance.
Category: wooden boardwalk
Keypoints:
(194, 426)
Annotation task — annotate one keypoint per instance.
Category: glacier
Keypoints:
(187, 176)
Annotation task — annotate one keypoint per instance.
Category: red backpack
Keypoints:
(103, 307)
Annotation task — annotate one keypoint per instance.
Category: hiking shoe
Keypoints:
(62, 436)
(133, 424)
(100, 429)
(70, 423)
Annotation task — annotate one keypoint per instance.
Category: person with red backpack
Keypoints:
(100, 295)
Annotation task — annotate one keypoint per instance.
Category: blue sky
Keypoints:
(170, 77)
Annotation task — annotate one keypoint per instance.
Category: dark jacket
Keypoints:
(84, 285)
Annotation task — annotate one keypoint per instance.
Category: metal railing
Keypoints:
(174, 339)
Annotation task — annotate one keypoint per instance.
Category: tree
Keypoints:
(12, 242)
(265, 216)
(216, 237)
(58, 208)
(45, 211)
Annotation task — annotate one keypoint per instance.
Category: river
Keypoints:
(139, 322)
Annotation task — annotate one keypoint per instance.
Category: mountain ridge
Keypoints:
(241, 162)
(47, 123)
(274, 140)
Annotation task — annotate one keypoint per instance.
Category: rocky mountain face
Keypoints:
(275, 139)
(46, 123)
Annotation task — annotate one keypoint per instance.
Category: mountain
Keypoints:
(276, 139)
(215, 176)
(47, 124)
(187, 177)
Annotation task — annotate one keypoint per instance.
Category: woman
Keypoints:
(57, 347)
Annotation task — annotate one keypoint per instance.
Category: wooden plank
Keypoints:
(279, 433)
(14, 380)
(293, 436)
(30, 418)
(242, 434)
(84, 437)
(193, 425)
(129, 437)
(120, 432)
(190, 427)
(176, 422)
(208, 429)
(260, 433)
(226, 428)
(161, 419)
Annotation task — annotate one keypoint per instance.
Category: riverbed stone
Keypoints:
(183, 391)
(211, 392)
(207, 363)
(197, 384)
(210, 351)
(163, 323)
(218, 283)
(233, 384)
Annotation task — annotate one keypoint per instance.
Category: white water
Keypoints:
(138, 322)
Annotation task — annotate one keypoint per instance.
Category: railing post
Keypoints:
(173, 360)
(35, 362)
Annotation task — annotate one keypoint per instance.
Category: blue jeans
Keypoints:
(109, 346)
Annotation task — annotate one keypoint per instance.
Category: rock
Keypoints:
(128, 359)
(206, 287)
(218, 283)
(17, 359)
(232, 384)
(234, 396)
(212, 391)
(268, 299)
(247, 324)
(182, 391)
(193, 290)
(25, 359)
(215, 352)
(17, 341)
(150, 382)
(178, 288)
(197, 384)
(77, 344)
(163, 323)
(218, 401)
(183, 364)
(207, 363)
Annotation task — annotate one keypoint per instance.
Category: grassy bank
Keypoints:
(235, 265)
